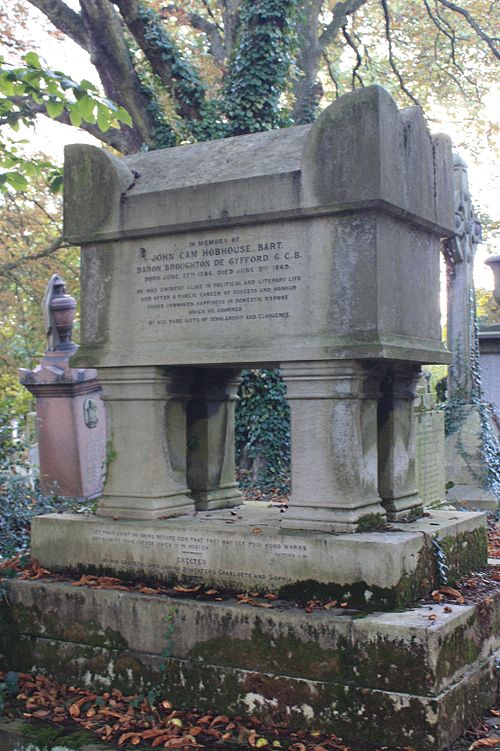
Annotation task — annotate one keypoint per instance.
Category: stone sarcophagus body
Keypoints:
(315, 248)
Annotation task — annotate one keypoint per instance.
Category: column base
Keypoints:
(366, 518)
(132, 507)
(221, 497)
(406, 508)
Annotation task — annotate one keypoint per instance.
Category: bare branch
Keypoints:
(331, 74)
(213, 34)
(7, 268)
(392, 63)
(339, 19)
(359, 59)
(65, 19)
(474, 25)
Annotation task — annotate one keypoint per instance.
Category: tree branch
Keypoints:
(359, 59)
(55, 245)
(65, 19)
(331, 74)
(392, 63)
(213, 34)
(339, 19)
(118, 138)
(473, 24)
(174, 71)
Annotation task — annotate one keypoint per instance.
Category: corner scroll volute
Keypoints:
(94, 182)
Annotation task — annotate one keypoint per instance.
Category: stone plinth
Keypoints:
(466, 470)
(71, 426)
(252, 548)
(388, 679)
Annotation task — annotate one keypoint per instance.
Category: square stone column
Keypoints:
(211, 467)
(333, 408)
(397, 443)
(146, 459)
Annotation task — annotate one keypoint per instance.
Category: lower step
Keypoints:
(414, 678)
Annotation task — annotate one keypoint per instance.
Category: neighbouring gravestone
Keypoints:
(315, 248)
(70, 418)
(430, 443)
(468, 429)
(489, 349)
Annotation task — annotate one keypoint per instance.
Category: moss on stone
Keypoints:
(285, 654)
(465, 553)
(371, 523)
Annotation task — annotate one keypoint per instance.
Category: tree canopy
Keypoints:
(203, 69)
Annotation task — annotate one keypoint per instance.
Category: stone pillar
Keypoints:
(71, 426)
(396, 444)
(211, 461)
(146, 459)
(333, 408)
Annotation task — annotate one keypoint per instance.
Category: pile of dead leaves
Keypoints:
(128, 721)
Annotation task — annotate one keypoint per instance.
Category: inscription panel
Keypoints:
(200, 557)
(248, 289)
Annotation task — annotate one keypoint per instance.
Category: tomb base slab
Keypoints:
(245, 549)
(419, 677)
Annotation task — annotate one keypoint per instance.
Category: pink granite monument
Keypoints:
(71, 421)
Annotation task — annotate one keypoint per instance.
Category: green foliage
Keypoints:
(29, 89)
(263, 430)
(259, 70)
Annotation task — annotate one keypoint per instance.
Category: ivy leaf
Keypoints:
(86, 105)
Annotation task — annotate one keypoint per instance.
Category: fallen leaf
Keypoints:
(133, 738)
(331, 604)
(437, 596)
(178, 588)
(256, 531)
(271, 596)
(220, 719)
(211, 592)
(485, 743)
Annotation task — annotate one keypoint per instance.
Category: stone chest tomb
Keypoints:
(316, 249)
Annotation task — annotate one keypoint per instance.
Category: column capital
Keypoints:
(333, 379)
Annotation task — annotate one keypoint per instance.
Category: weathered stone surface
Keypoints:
(247, 549)
(430, 448)
(412, 678)
(466, 470)
(213, 243)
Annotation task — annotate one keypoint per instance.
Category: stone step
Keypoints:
(247, 547)
(418, 679)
